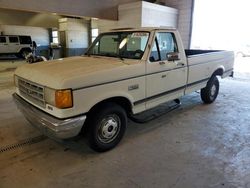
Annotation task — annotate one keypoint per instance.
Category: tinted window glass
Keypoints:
(13, 39)
(25, 40)
(2, 39)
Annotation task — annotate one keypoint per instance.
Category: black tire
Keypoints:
(23, 53)
(106, 127)
(211, 91)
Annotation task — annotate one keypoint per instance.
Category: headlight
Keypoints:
(63, 98)
(49, 96)
(59, 98)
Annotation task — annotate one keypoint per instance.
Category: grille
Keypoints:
(32, 91)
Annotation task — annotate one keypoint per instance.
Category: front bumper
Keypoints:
(49, 125)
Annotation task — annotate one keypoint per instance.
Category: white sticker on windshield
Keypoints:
(139, 34)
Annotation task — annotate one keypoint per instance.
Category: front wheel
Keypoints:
(106, 127)
(210, 92)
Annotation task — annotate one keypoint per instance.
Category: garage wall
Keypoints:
(74, 36)
(185, 8)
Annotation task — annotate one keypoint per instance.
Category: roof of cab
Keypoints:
(142, 29)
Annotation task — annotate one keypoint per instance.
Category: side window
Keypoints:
(55, 37)
(13, 39)
(2, 39)
(165, 43)
(25, 40)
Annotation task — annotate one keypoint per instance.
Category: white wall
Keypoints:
(76, 31)
(185, 8)
(141, 14)
(106, 25)
(130, 16)
(154, 15)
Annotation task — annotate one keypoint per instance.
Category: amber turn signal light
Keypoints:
(63, 98)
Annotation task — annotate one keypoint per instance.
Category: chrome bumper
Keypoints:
(49, 125)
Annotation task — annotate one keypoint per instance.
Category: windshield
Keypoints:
(129, 45)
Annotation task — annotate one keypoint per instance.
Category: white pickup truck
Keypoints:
(123, 73)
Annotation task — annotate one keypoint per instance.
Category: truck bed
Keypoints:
(202, 64)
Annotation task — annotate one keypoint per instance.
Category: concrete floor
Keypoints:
(195, 146)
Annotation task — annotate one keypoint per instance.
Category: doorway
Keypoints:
(223, 25)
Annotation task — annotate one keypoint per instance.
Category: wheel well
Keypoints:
(25, 49)
(122, 101)
(218, 72)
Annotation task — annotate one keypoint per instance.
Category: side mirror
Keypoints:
(173, 56)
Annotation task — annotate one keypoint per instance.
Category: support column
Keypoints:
(73, 36)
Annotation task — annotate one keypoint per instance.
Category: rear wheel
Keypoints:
(106, 127)
(210, 92)
(23, 53)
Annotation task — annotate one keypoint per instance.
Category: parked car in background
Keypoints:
(16, 45)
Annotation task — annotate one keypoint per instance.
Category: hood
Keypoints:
(75, 72)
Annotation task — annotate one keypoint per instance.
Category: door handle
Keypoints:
(162, 63)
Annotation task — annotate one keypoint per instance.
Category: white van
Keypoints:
(17, 45)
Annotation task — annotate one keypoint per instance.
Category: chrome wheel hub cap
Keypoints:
(109, 128)
(213, 90)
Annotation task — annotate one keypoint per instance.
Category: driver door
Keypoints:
(14, 44)
(166, 70)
